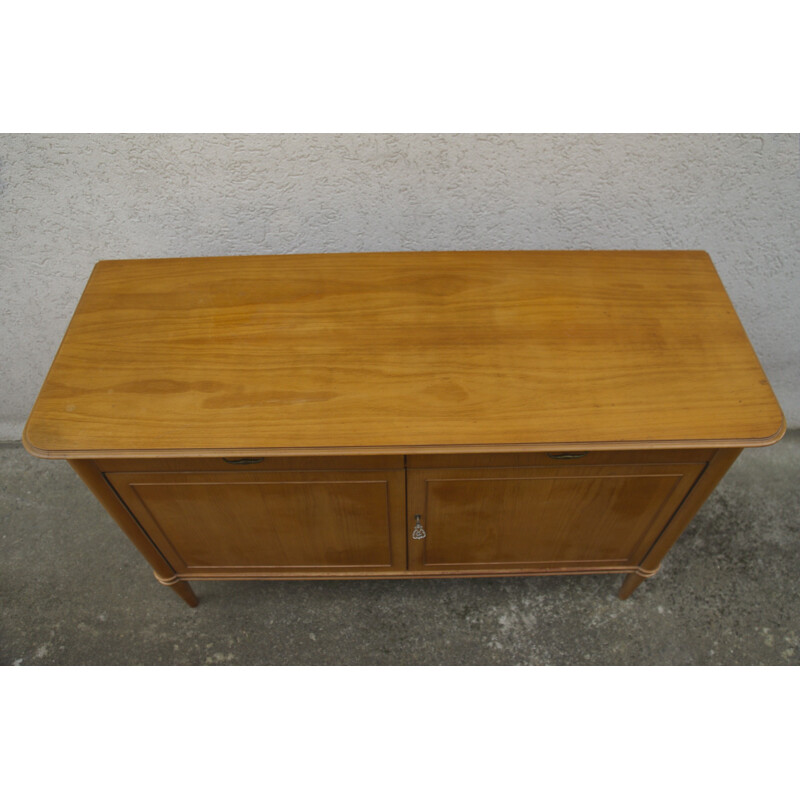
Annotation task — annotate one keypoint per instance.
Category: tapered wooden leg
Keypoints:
(184, 591)
(629, 585)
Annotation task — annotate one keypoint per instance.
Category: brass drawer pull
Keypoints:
(567, 455)
(243, 460)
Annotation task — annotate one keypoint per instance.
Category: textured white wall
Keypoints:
(67, 201)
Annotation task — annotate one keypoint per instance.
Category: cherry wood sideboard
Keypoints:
(396, 415)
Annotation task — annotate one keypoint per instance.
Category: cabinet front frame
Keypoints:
(98, 475)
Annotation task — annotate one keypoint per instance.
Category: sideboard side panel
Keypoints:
(706, 483)
(89, 473)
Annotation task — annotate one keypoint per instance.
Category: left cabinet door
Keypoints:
(224, 524)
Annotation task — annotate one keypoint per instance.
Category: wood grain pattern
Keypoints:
(564, 517)
(403, 353)
(273, 521)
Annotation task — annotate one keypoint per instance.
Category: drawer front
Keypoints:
(555, 458)
(542, 519)
(212, 523)
(249, 463)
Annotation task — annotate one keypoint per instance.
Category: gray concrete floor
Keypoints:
(73, 590)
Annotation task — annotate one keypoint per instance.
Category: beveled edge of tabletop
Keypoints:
(427, 449)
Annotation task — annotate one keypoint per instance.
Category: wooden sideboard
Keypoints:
(396, 415)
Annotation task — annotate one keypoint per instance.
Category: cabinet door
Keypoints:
(542, 519)
(216, 524)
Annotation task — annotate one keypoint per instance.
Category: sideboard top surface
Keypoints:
(403, 353)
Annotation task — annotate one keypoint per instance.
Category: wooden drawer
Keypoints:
(249, 464)
(556, 458)
(425, 461)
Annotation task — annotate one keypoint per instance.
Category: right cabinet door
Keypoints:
(541, 519)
